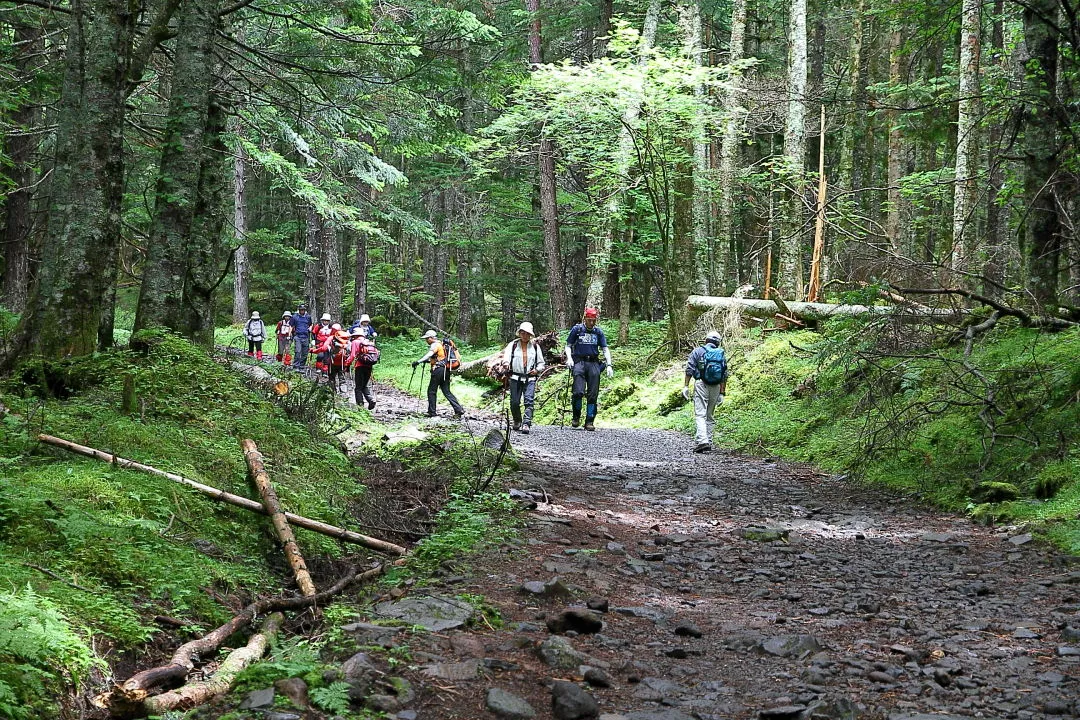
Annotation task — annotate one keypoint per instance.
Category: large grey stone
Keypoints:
(509, 706)
(570, 702)
(257, 699)
(455, 672)
(559, 653)
(793, 646)
(369, 634)
(431, 612)
(669, 714)
(357, 667)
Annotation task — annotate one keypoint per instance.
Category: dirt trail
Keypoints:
(812, 597)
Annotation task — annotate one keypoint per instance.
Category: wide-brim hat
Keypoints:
(527, 327)
(326, 316)
(286, 314)
(429, 335)
(364, 318)
(255, 315)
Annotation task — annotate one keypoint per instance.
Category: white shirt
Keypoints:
(532, 360)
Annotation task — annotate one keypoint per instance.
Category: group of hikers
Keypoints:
(586, 353)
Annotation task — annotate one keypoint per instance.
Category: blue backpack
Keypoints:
(713, 365)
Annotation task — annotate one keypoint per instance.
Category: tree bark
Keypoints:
(964, 249)
(221, 495)
(21, 146)
(1041, 151)
(257, 467)
(729, 145)
(312, 265)
(815, 311)
(793, 233)
(82, 236)
(895, 151)
(678, 279)
(332, 287)
(242, 268)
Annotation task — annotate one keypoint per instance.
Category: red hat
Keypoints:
(592, 313)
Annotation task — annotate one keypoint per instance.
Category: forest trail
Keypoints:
(812, 596)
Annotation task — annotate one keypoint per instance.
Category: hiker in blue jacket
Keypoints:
(707, 366)
(584, 347)
(301, 325)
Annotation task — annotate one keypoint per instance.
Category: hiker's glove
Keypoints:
(610, 371)
(415, 363)
(686, 392)
(719, 399)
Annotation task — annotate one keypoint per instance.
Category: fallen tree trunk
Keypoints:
(260, 377)
(492, 366)
(237, 500)
(257, 467)
(223, 679)
(805, 311)
(129, 699)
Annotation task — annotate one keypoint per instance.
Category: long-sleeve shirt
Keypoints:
(522, 364)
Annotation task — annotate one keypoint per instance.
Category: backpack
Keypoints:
(713, 365)
(368, 354)
(340, 344)
(452, 357)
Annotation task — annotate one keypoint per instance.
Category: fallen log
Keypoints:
(257, 467)
(804, 311)
(237, 500)
(129, 699)
(223, 679)
(492, 366)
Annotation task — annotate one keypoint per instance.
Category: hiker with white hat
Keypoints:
(255, 332)
(707, 367)
(322, 334)
(363, 355)
(364, 323)
(441, 365)
(525, 360)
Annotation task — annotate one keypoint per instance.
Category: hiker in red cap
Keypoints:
(584, 346)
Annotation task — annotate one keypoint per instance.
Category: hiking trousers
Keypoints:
(363, 376)
(522, 389)
(300, 356)
(706, 398)
(440, 380)
(284, 344)
(586, 385)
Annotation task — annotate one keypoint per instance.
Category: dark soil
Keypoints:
(813, 596)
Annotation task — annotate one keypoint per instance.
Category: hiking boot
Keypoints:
(702, 448)
(459, 415)
(432, 414)
(516, 425)
(524, 429)
(575, 421)
(589, 425)
(371, 405)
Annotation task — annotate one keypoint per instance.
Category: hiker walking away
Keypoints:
(255, 332)
(363, 355)
(322, 332)
(526, 362)
(440, 374)
(584, 346)
(707, 365)
(301, 326)
(284, 332)
(364, 323)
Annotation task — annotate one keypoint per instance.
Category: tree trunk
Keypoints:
(331, 253)
(360, 274)
(678, 281)
(690, 19)
(815, 311)
(964, 250)
(186, 252)
(242, 268)
(790, 279)
(312, 265)
(601, 259)
(82, 236)
(895, 151)
(21, 146)
(729, 145)
(1041, 151)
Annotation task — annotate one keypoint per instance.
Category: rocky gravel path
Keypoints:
(649, 583)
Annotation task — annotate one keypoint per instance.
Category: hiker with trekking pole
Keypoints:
(443, 357)
(525, 361)
(584, 346)
(707, 366)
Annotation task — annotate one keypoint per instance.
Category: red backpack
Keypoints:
(368, 354)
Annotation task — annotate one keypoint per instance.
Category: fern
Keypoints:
(334, 698)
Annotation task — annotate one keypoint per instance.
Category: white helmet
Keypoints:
(527, 327)
(364, 318)
(713, 337)
(429, 335)
(326, 317)
(255, 315)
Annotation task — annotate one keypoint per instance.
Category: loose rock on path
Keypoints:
(661, 585)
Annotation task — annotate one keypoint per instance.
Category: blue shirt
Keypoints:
(301, 325)
(585, 343)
